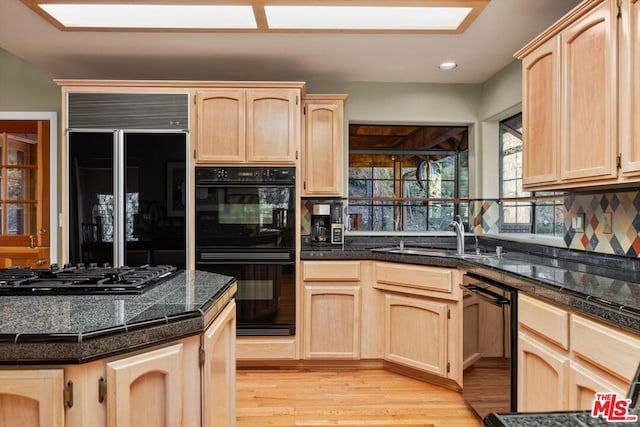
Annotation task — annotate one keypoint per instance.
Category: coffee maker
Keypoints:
(321, 224)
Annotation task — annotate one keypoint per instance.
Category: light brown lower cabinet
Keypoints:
(564, 358)
(542, 376)
(416, 333)
(146, 389)
(331, 309)
(187, 383)
(585, 381)
(332, 321)
(219, 370)
(32, 397)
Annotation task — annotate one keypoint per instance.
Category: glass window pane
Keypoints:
(415, 218)
(21, 219)
(509, 189)
(439, 216)
(509, 167)
(359, 188)
(509, 214)
(523, 214)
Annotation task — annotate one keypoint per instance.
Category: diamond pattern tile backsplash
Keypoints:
(610, 222)
(484, 216)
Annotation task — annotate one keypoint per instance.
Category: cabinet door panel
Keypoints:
(589, 101)
(416, 333)
(221, 126)
(272, 125)
(324, 148)
(585, 381)
(540, 115)
(629, 88)
(219, 370)
(146, 390)
(542, 376)
(32, 398)
(332, 321)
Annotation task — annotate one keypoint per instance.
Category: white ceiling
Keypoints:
(486, 47)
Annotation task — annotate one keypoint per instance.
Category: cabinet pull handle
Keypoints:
(41, 261)
(68, 394)
(32, 241)
(102, 390)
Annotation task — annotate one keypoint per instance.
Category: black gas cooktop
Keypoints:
(82, 280)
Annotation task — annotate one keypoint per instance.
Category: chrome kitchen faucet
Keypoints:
(458, 227)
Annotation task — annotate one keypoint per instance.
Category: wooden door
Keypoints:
(589, 109)
(416, 333)
(542, 376)
(273, 117)
(331, 321)
(32, 398)
(24, 192)
(585, 381)
(219, 370)
(629, 88)
(541, 114)
(146, 390)
(220, 134)
(323, 147)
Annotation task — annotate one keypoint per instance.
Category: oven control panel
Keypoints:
(244, 174)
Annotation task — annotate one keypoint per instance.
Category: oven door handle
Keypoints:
(487, 295)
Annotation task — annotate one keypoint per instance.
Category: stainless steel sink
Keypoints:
(433, 252)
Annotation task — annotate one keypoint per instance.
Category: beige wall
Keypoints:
(501, 98)
(24, 87)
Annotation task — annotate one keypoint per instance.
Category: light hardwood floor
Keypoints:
(370, 397)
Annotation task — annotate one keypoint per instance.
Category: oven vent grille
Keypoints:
(150, 111)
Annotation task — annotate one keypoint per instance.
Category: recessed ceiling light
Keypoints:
(187, 16)
(447, 65)
(365, 17)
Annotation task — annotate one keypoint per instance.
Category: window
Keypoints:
(407, 178)
(522, 211)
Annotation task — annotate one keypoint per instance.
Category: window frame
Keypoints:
(533, 200)
(399, 203)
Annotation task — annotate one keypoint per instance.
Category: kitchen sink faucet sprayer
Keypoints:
(458, 227)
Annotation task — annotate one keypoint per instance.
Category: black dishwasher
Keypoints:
(490, 342)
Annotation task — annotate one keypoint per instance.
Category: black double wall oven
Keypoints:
(245, 228)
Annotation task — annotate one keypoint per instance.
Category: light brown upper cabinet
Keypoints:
(541, 114)
(240, 125)
(630, 89)
(580, 99)
(323, 149)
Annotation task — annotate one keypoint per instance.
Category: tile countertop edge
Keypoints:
(612, 314)
(38, 349)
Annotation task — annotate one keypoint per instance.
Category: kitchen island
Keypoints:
(107, 356)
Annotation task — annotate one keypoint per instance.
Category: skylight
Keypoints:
(151, 16)
(366, 18)
(440, 16)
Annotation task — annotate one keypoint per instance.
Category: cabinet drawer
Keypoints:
(429, 278)
(610, 349)
(544, 319)
(331, 271)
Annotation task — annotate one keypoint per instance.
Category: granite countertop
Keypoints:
(605, 292)
(80, 328)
